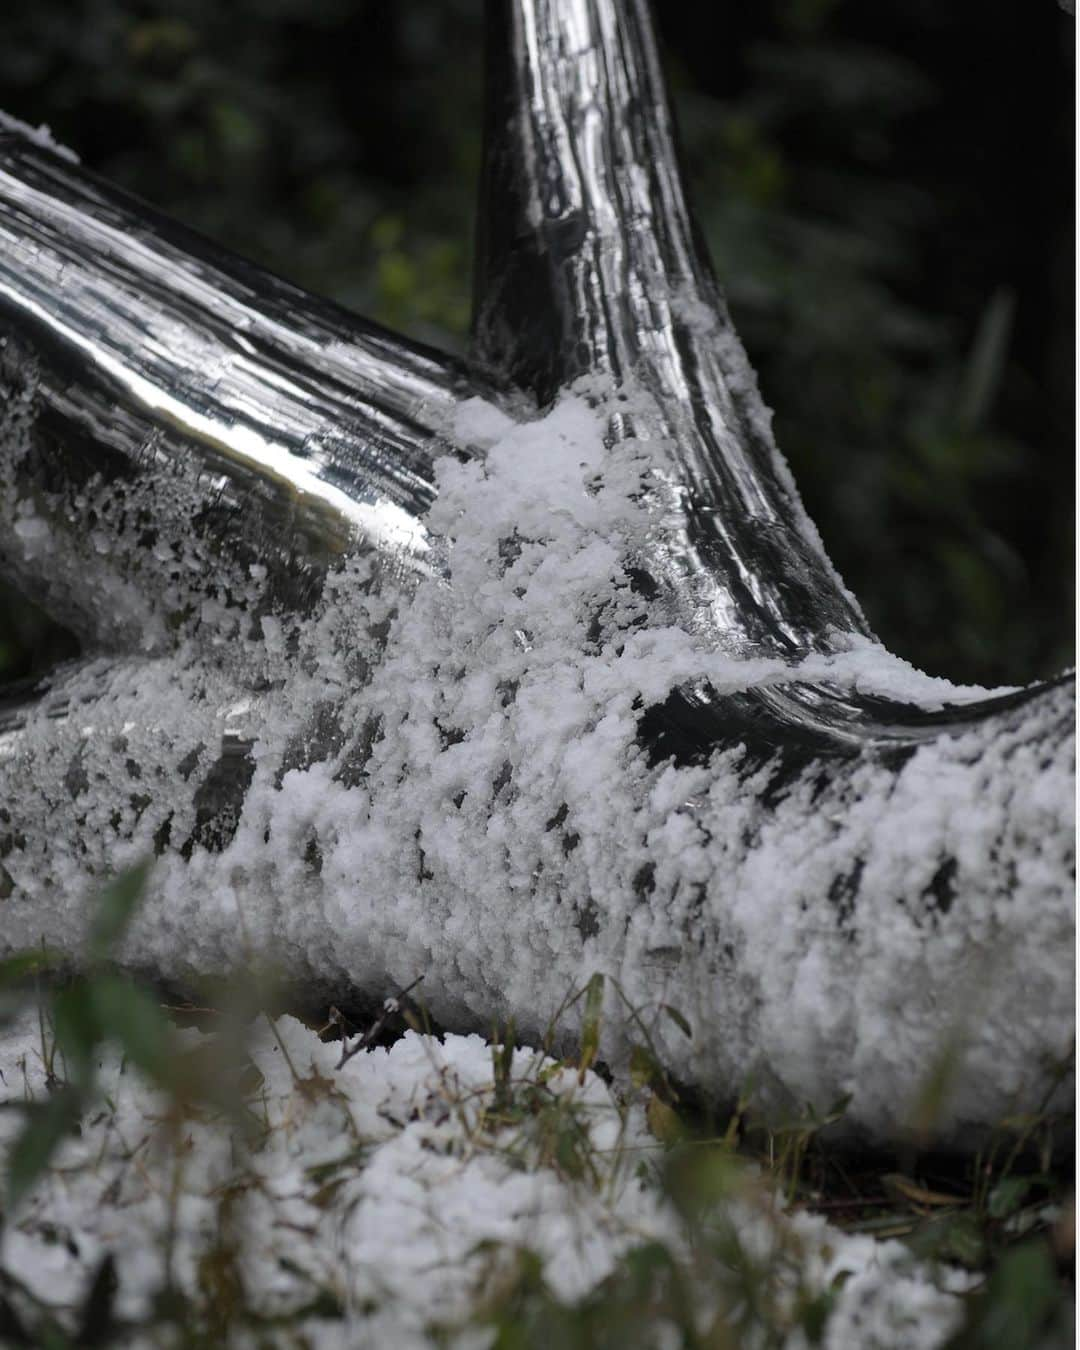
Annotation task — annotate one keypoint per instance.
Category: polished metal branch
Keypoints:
(589, 265)
(160, 358)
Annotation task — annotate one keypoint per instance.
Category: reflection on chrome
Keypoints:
(592, 267)
(293, 433)
(155, 346)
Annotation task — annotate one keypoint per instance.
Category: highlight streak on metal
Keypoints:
(159, 354)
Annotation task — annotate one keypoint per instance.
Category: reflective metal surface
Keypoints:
(589, 264)
(159, 357)
(188, 445)
(290, 432)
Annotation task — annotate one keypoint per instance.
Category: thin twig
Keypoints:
(391, 1006)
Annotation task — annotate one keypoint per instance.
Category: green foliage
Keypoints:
(116, 908)
(47, 1125)
(590, 1027)
(718, 1296)
(674, 1015)
(79, 1016)
(994, 1215)
(16, 969)
(1020, 1306)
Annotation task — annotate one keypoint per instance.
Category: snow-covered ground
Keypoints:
(393, 1198)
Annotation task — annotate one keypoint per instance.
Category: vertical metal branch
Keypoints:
(585, 220)
(589, 264)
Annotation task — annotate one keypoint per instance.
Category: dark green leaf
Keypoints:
(116, 908)
(128, 1015)
(677, 1017)
(644, 1070)
(502, 1057)
(955, 1237)
(15, 969)
(838, 1109)
(76, 1029)
(48, 1123)
(1007, 1196)
(814, 1315)
(987, 360)
(1022, 1302)
(590, 1029)
(96, 1320)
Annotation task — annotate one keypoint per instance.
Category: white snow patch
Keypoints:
(40, 135)
(374, 1186)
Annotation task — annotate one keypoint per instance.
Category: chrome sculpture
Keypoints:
(151, 377)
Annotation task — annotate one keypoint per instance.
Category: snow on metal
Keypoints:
(397, 673)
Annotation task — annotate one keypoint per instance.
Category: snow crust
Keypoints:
(446, 778)
(40, 136)
(373, 1185)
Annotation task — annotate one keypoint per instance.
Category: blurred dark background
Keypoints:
(887, 191)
